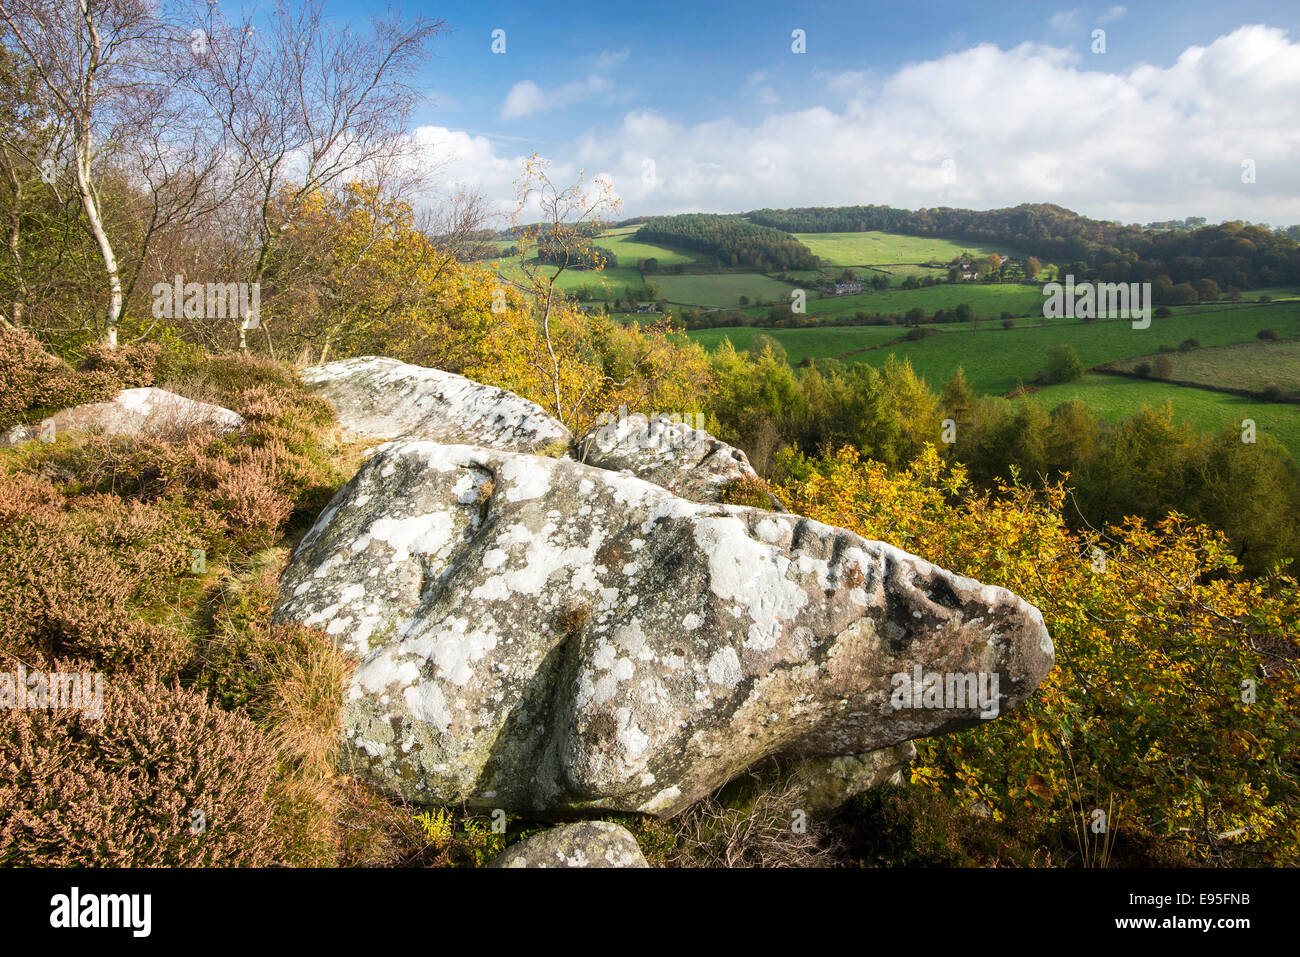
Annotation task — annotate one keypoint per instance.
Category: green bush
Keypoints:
(1063, 364)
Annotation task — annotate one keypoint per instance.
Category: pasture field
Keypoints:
(612, 279)
(625, 251)
(720, 289)
(988, 301)
(993, 358)
(806, 343)
(1275, 292)
(1113, 398)
(1253, 366)
(883, 249)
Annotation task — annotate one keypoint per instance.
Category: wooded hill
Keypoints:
(1230, 254)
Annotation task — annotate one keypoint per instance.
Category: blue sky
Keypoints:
(915, 104)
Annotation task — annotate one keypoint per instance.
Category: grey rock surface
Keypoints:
(382, 398)
(670, 453)
(544, 636)
(828, 782)
(584, 844)
(144, 411)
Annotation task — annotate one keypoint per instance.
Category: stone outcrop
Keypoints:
(378, 398)
(145, 411)
(827, 782)
(545, 636)
(668, 452)
(584, 844)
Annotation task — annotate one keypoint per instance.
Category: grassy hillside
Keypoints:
(883, 249)
(626, 251)
(801, 344)
(1253, 366)
(1114, 398)
(721, 290)
(993, 357)
(987, 300)
(612, 279)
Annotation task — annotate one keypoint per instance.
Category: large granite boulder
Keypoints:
(544, 636)
(584, 844)
(145, 411)
(673, 452)
(378, 398)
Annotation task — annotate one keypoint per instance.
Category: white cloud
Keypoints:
(980, 128)
(757, 86)
(526, 97)
(1065, 20)
(610, 59)
(1113, 14)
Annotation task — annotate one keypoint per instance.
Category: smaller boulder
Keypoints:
(668, 452)
(585, 844)
(827, 782)
(145, 411)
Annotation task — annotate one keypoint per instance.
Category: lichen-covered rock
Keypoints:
(668, 452)
(145, 411)
(382, 398)
(540, 635)
(830, 781)
(584, 844)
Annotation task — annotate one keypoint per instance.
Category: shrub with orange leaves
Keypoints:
(1174, 702)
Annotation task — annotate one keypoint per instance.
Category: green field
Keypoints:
(1252, 366)
(883, 249)
(721, 289)
(626, 251)
(1114, 397)
(801, 344)
(993, 358)
(988, 301)
(613, 279)
(1275, 292)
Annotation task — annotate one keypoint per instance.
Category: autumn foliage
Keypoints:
(1173, 706)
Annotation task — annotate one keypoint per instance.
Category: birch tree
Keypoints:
(307, 104)
(93, 57)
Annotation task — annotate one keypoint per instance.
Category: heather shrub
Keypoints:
(748, 490)
(288, 441)
(31, 379)
(162, 779)
(91, 579)
(132, 366)
(237, 486)
(97, 569)
(29, 376)
(259, 404)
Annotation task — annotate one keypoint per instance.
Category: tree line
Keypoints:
(1147, 465)
(729, 241)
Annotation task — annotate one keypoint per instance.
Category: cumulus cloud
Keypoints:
(526, 97)
(983, 127)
